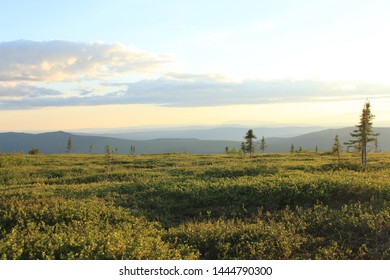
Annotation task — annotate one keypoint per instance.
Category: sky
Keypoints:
(74, 65)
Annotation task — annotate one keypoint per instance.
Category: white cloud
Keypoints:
(203, 90)
(68, 61)
(186, 90)
(22, 91)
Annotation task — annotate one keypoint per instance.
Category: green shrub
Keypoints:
(33, 151)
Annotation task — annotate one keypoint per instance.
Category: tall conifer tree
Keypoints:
(336, 148)
(249, 142)
(263, 144)
(363, 133)
(69, 145)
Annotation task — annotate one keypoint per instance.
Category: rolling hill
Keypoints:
(55, 142)
(232, 133)
(324, 140)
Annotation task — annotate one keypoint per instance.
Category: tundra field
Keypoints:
(182, 206)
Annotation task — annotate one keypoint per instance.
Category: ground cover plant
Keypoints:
(181, 206)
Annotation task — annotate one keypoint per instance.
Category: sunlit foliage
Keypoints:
(181, 206)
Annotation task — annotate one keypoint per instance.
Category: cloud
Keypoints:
(66, 73)
(186, 90)
(198, 90)
(20, 91)
(69, 61)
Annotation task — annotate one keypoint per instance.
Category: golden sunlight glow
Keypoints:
(114, 116)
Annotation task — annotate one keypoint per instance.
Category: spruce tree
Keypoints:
(69, 145)
(336, 148)
(243, 148)
(90, 148)
(249, 142)
(108, 156)
(132, 149)
(363, 133)
(263, 145)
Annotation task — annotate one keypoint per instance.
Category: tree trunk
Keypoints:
(364, 155)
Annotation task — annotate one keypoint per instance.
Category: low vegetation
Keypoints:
(181, 206)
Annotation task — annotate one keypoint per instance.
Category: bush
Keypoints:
(33, 151)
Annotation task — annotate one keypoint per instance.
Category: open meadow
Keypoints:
(182, 206)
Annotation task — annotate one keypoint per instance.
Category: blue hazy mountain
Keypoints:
(233, 133)
(56, 142)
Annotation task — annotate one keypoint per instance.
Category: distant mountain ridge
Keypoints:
(56, 142)
(324, 140)
(231, 133)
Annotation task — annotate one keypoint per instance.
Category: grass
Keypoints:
(181, 206)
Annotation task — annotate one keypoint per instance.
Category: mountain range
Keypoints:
(231, 133)
(209, 141)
